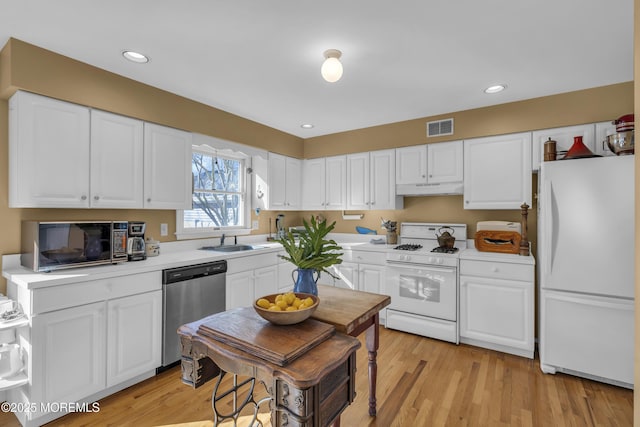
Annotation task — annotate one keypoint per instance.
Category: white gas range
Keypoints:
(422, 280)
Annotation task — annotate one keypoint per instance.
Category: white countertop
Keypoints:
(474, 254)
(183, 253)
(172, 254)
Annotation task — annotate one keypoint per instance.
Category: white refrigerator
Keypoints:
(586, 268)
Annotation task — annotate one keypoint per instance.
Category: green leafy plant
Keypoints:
(312, 250)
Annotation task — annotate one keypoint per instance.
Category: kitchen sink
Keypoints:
(230, 248)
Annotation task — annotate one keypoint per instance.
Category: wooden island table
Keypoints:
(309, 381)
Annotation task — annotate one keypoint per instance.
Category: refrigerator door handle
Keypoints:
(548, 225)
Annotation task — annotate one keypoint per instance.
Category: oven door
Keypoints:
(423, 290)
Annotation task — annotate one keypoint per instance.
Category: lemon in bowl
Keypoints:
(286, 308)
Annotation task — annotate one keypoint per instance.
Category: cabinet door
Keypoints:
(134, 336)
(285, 280)
(497, 311)
(497, 172)
(358, 181)
(167, 168)
(116, 161)
(48, 153)
(411, 165)
(313, 184)
(382, 180)
(277, 181)
(239, 290)
(69, 353)
(293, 183)
(336, 183)
(444, 162)
(265, 282)
(371, 278)
(564, 140)
(347, 274)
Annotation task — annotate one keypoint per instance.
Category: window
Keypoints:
(219, 194)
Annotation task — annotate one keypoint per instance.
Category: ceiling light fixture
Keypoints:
(495, 88)
(135, 56)
(331, 68)
(306, 126)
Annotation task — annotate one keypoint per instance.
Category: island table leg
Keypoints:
(372, 338)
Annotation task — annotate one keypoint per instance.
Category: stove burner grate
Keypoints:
(408, 247)
(443, 250)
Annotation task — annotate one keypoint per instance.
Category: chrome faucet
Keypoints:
(222, 239)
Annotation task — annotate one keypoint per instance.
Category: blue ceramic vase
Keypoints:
(305, 282)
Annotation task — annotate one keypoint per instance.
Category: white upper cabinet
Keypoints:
(564, 140)
(167, 168)
(497, 172)
(116, 160)
(48, 152)
(430, 169)
(445, 162)
(285, 182)
(411, 165)
(324, 183)
(371, 180)
(313, 184)
(63, 155)
(335, 183)
(358, 181)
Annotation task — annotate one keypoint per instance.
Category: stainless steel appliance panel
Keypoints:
(189, 293)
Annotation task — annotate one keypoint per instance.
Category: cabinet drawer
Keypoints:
(251, 262)
(498, 270)
(74, 294)
(367, 257)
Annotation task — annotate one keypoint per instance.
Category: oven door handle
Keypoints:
(404, 266)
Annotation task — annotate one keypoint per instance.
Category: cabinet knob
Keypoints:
(148, 200)
(430, 176)
(83, 197)
(423, 176)
(96, 197)
(494, 269)
(466, 201)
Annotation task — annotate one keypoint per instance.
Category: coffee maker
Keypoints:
(136, 248)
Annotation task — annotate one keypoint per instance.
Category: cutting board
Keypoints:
(507, 242)
(245, 330)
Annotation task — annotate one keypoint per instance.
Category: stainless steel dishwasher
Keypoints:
(189, 294)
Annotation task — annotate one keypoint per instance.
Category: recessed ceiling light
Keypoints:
(306, 126)
(495, 88)
(135, 56)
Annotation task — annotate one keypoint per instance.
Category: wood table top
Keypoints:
(347, 309)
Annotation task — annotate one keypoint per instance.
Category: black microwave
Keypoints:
(54, 245)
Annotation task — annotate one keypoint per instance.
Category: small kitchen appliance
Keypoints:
(422, 280)
(280, 232)
(54, 245)
(136, 247)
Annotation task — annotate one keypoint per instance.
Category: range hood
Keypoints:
(429, 189)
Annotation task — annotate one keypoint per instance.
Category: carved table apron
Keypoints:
(311, 390)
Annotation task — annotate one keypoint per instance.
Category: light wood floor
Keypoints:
(421, 382)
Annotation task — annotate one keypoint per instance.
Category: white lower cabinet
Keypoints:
(129, 352)
(69, 353)
(249, 278)
(87, 340)
(497, 304)
(346, 275)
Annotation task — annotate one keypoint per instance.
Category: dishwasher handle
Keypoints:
(180, 274)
